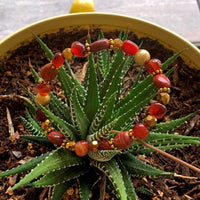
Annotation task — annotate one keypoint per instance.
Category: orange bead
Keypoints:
(140, 131)
(82, 148)
(161, 81)
(153, 65)
(48, 73)
(43, 89)
(129, 47)
(55, 137)
(99, 45)
(122, 140)
(158, 110)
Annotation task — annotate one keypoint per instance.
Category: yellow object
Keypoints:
(82, 6)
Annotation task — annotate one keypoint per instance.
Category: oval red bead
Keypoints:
(122, 140)
(99, 45)
(58, 60)
(55, 137)
(43, 88)
(40, 116)
(104, 144)
(161, 81)
(157, 110)
(48, 73)
(153, 65)
(82, 148)
(140, 131)
(129, 47)
(78, 49)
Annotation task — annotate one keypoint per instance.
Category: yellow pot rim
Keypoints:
(107, 22)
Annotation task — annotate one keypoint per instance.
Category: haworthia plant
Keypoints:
(90, 112)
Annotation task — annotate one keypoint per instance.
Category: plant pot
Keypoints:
(107, 22)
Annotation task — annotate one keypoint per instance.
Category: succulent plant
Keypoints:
(94, 113)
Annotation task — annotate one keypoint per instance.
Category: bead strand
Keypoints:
(122, 139)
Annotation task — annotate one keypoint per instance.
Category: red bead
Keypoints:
(129, 47)
(153, 65)
(58, 60)
(55, 137)
(122, 140)
(161, 81)
(40, 116)
(78, 49)
(82, 148)
(104, 144)
(157, 110)
(140, 131)
(43, 88)
(48, 73)
(99, 45)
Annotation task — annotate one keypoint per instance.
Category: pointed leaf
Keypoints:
(25, 167)
(60, 175)
(35, 74)
(59, 158)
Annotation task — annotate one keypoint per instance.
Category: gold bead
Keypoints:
(47, 122)
(94, 145)
(117, 43)
(43, 100)
(141, 57)
(163, 97)
(111, 41)
(70, 191)
(150, 121)
(67, 54)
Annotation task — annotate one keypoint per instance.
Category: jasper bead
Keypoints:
(104, 144)
(78, 49)
(129, 47)
(140, 131)
(43, 100)
(141, 57)
(58, 60)
(82, 148)
(48, 73)
(99, 45)
(55, 137)
(43, 89)
(158, 110)
(161, 81)
(153, 65)
(122, 140)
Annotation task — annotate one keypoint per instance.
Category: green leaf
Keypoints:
(25, 167)
(60, 189)
(30, 106)
(79, 117)
(31, 128)
(59, 108)
(60, 158)
(29, 94)
(113, 172)
(92, 102)
(136, 167)
(62, 125)
(165, 127)
(103, 114)
(48, 52)
(41, 140)
(136, 81)
(35, 74)
(60, 175)
(103, 155)
(130, 191)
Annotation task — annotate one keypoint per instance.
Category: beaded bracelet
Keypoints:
(122, 139)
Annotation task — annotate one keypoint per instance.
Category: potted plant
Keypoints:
(78, 108)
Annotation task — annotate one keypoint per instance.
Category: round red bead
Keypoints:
(129, 47)
(157, 110)
(99, 45)
(55, 137)
(82, 148)
(40, 116)
(161, 81)
(48, 73)
(104, 144)
(78, 49)
(43, 88)
(153, 65)
(122, 140)
(140, 131)
(58, 60)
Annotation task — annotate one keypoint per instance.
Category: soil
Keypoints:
(185, 98)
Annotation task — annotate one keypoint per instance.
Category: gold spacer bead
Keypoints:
(45, 132)
(87, 44)
(47, 122)
(70, 145)
(111, 41)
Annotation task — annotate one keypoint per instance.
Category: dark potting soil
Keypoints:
(185, 99)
